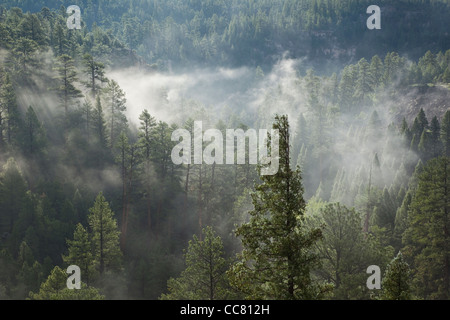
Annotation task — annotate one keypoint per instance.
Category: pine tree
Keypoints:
(105, 236)
(396, 281)
(67, 77)
(345, 250)
(347, 88)
(99, 131)
(205, 275)
(116, 106)
(276, 261)
(80, 253)
(146, 129)
(31, 28)
(87, 114)
(59, 39)
(364, 82)
(435, 141)
(376, 70)
(34, 136)
(23, 57)
(95, 72)
(12, 193)
(123, 158)
(9, 111)
(55, 288)
(427, 237)
(445, 134)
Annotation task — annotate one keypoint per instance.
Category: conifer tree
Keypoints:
(67, 77)
(9, 110)
(427, 237)
(34, 136)
(205, 275)
(376, 71)
(80, 253)
(345, 250)
(445, 134)
(146, 129)
(12, 193)
(276, 260)
(99, 131)
(55, 288)
(95, 72)
(364, 82)
(396, 283)
(105, 236)
(23, 57)
(116, 106)
(435, 141)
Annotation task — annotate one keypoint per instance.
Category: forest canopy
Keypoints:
(87, 178)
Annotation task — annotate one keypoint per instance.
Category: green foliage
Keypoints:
(105, 236)
(80, 253)
(205, 275)
(426, 239)
(396, 281)
(67, 77)
(54, 288)
(276, 262)
(346, 150)
(115, 108)
(345, 250)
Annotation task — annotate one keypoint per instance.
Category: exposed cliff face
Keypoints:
(435, 101)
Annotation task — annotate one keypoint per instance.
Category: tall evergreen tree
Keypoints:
(67, 77)
(276, 260)
(99, 132)
(34, 137)
(427, 239)
(396, 281)
(445, 134)
(9, 111)
(205, 275)
(364, 82)
(345, 250)
(95, 73)
(435, 142)
(146, 129)
(55, 288)
(116, 106)
(12, 194)
(80, 253)
(105, 236)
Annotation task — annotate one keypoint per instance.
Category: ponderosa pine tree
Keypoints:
(146, 129)
(95, 72)
(12, 192)
(34, 138)
(396, 283)
(364, 82)
(80, 253)
(67, 76)
(427, 238)
(445, 134)
(100, 142)
(276, 260)
(104, 236)
(435, 143)
(345, 250)
(205, 275)
(23, 57)
(9, 111)
(55, 288)
(116, 106)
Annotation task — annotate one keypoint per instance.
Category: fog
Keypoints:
(254, 98)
